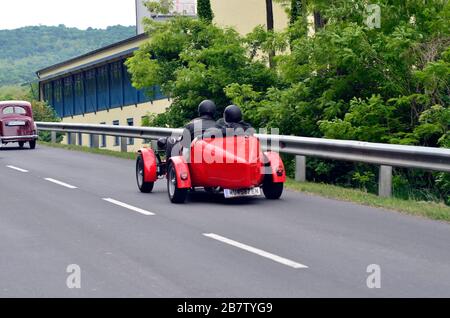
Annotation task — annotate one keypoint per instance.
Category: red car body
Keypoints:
(231, 163)
(17, 124)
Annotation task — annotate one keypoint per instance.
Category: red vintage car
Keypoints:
(17, 124)
(234, 165)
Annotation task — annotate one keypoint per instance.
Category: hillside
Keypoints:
(24, 51)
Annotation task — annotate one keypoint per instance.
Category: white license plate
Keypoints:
(16, 123)
(254, 192)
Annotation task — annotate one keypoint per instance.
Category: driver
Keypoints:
(196, 128)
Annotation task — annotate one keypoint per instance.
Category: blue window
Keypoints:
(58, 103)
(116, 84)
(68, 96)
(158, 93)
(129, 92)
(103, 88)
(48, 93)
(79, 94)
(143, 97)
(90, 91)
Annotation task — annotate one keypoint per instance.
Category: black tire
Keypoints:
(144, 187)
(176, 195)
(21, 144)
(272, 190)
(32, 144)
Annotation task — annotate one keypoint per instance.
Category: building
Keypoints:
(95, 88)
(183, 7)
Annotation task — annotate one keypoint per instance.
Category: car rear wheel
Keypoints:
(272, 190)
(33, 144)
(176, 195)
(144, 187)
(21, 144)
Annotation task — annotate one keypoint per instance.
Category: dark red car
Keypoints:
(17, 124)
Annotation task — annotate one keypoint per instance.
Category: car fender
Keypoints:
(150, 165)
(277, 167)
(182, 168)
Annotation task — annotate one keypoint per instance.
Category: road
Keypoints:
(53, 213)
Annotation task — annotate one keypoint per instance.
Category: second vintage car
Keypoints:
(17, 124)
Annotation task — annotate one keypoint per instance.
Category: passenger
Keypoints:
(232, 121)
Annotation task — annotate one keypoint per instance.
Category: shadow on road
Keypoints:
(201, 196)
(13, 148)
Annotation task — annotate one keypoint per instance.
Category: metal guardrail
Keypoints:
(385, 155)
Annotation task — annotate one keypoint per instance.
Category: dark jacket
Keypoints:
(197, 128)
(239, 129)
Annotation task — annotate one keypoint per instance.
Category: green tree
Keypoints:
(42, 46)
(348, 81)
(204, 10)
(159, 6)
(193, 60)
(296, 10)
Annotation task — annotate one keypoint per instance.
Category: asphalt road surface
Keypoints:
(59, 208)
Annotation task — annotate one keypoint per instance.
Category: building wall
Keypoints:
(135, 112)
(96, 57)
(99, 88)
(245, 15)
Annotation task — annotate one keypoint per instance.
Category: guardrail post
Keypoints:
(95, 141)
(385, 182)
(123, 144)
(300, 168)
(53, 137)
(71, 138)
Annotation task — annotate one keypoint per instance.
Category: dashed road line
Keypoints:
(129, 207)
(257, 251)
(17, 169)
(63, 184)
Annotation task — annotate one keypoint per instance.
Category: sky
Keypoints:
(72, 13)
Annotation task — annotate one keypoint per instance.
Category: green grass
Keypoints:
(431, 210)
(97, 151)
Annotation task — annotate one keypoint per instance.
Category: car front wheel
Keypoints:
(176, 195)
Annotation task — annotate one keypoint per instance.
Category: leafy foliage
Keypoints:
(193, 61)
(204, 10)
(348, 81)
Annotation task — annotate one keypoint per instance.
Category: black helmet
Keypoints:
(207, 107)
(233, 114)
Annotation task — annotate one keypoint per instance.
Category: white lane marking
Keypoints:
(61, 183)
(129, 207)
(17, 169)
(257, 251)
